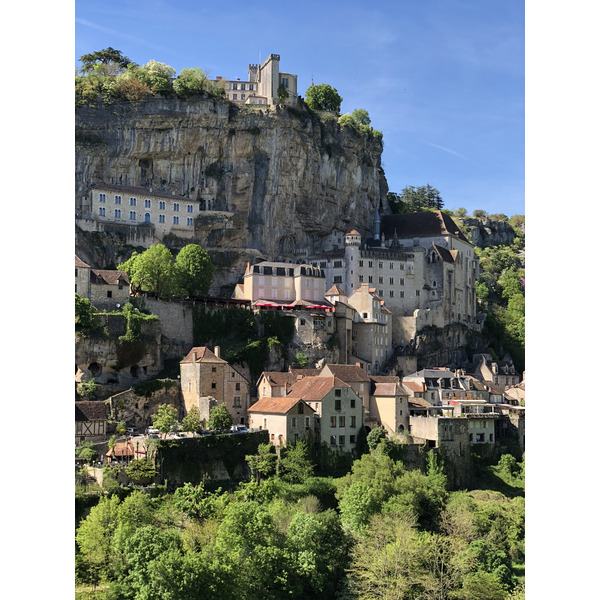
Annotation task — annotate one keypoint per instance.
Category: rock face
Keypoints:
(281, 180)
(485, 233)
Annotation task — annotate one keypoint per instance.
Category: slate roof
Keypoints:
(280, 406)
(420, 224)
(348, 373)
(139, 192)
(335, 291)
(89, 410)
(446, 255)
(314, 389)
(203, 354)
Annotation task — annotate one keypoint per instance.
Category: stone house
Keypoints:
(275, 384)
(353, 375)
(388, 405)
(288, 419)
(500, 373)
(207, 381)
(339, 409)
(90, 421)
(262, 84)
(106, 289)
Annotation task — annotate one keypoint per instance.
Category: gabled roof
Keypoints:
(90, 410)
(121, 449)
(387, 389)
(79, 263)
(314, 389)
(279, 378)
(300, 373)
(446, 255)
(335, 291)
(201, 354)
(414, 386)
(418, 403)
(347, 373)
(420, 224)
(109, 277)
(280, 406)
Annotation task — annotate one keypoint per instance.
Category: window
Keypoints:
(242, 86)
(132, 215)
(243, 97)
(337, 264)
(352, 403)
(338, 405)
(147, 218)
(251, 86)
(417, 293)
(402, 294)
(381, 280)
(132, 202)
(337, 279)
(109, 294)
(370, 264)
(342, 422)
(332, 440)
(175, 220)
(214, 369)
(285, 82)
(102, 211)
(293, 421)
(391, 265)
(360, 263)
(101, 197)
(300, 408)
(391, 281)
(190, 208)
(370, 278)
(162, 205)
(190, 221)
(381, 265)
(234, 87)
(117, 199)
(117, 213)
(176, 206)
(342, 440)
(353, 439)
(338, 393)
(147, 204)
(161, 218)
(213, 386)
(352, 421)
(360, 278)
(307, 421)
(332, 421)
(234, 95)
(401, 280)
(391, 293)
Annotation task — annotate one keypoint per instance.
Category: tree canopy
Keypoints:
(110, 60)
(413, 199)
(323, 97)
(193, 270)
(165, 418)
(220, 418)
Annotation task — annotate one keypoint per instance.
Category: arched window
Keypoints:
(147, 218)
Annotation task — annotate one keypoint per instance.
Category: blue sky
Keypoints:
(443, 79)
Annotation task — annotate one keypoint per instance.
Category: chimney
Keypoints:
(217, 351)
(358, 364)
(195, 356)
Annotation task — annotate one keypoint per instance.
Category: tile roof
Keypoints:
(314, 389)
(300, 373)
(90, 410)
(279, 406)
(139, 192)
(201, 354)
(335, 291)
(347, 373)
(284, 378)
(414, 386)
(121, 449)
(109, 277)
(420, 224)
(80, 263)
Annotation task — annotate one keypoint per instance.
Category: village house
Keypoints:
(275, 384)
(500, 373)
(207, 381)
(263, 84)
(106, 289)
(339, 409)
(388, 404)
(90, 421)
(287, 419)
(355, 376)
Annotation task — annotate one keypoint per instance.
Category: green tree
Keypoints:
(86, 451)
(157, 76)
(165, 419)
(192, 421)
(193, 270)
(108, 61)
(86, 315)
(301, 360)
(323, 97)
(263, 463)
(375, 437)
(141, 470)
(219, 418)
(151, 271)
(282, 93)
(190, 82)
(295, 465)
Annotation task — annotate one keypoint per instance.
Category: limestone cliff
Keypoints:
(281, 180)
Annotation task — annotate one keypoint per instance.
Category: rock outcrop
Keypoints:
(279, 181)
(485, 232)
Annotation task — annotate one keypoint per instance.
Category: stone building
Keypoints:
(106, 289)
(207, 381)
(419, 263)
(262, 85)
(500, 373)
(287, 419)
(388, 405)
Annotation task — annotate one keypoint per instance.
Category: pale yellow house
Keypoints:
(287, 419)
(388, 405)
(207, 381)
(282, 283)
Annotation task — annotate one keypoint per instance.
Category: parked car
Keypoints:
(239, 429)
(152, 430)
(131, 431)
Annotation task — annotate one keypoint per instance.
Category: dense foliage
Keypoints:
(323, 97)
(412, 199)
(155, 271)
(380, 531)
(360, 121)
